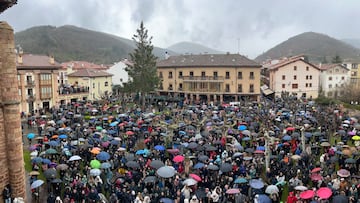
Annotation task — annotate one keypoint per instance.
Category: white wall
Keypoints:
(120, 76)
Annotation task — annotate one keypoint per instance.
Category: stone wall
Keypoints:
(11, 146)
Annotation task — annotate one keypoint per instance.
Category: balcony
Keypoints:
(73, 90)
(29, 83)
(30, 97)
(45, 96)
(203, 78)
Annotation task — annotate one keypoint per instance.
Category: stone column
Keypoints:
(10, 107)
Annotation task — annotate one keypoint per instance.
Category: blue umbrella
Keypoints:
(111, 132)
(240, 180)
(105, 165)
(62, 136)
(256, 184)
(246, 139)
(139, 152)
(113, 124)
(261, 148)
(242, 127)
(46, 161)
(36, 184)
(30, 135)
(308, 134)
(159, 147)
(287, 138)
(103, 156)
(182, 133)
(166, 200)
(36, 160)
(53, 143)
(262, 198)
(115, 142)
(199, 165)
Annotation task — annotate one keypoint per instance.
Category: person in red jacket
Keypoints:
(291, 198)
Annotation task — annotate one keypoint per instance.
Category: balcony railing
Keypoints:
(45, 96)
(203, 78)
(30, 97)
(73, 90)
(30, 83)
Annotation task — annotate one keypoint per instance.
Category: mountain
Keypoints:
(73, 43)
(353, 42)
(192, 48)
(314, 45)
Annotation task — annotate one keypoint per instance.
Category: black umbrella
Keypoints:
(213, 167)
(50, 173)
(132, 164)
(156, 164)
(192, 145)
(57, 180)
(203, 158)
(150, 179)
(130, 157)
(249, 150)
(340, 199)
(225, 167)
(210, 148)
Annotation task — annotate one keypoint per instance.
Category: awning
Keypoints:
(267, 92)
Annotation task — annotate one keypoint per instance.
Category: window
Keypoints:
(307, 68)
(45, 79)
(283, 86)
(330, 86)
(342, 78)
(251, 88)
(160, 75)
(203, 74)
(252, 75)
(329, 94)
(215, 74)
(294, 86)
(306, 85)
(180, 74)
(310, 77)
(239, 87)
(307, 77)
(227, 87)
(106, 83)
(310, 84)
(294, 77)
(353, 73)
(283, 77)
(295, 68)
(330, 78)
(239, 75)
(19, 91)
(180, 86)
(227, 75)
(336, 70)
(170, 87)
(170, 75)
(191, 73)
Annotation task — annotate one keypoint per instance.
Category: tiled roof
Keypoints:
(76, 65)
(208, 60)
(329, 66)
(90, 73)
(286, 61)
(36, 61)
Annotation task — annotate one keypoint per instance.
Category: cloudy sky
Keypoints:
(227, 25)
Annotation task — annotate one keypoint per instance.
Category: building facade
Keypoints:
(354, 73)
(210, 77)
(37, 82)
(333, 78)
(97, 83)
(295, 76)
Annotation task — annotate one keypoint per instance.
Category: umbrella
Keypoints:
(210, 148)
(130, 157)
(57, 180)
(54, 143)
(62, 136)
(295, 157)
(246, 132)
(249, 150)
(242, 127)
(262, 198)
(346, 152)
(315, 170)
(159, 147)
(325, 144)
(132, 164)
(62, 167)
(203, 158)
(166, 172)
(103, 156)
(50, 173)
(213, 167)
(225, 167)
(34, 173)
(256, 183)
(308, 194)
(340, 199)
(166, 200)
(271, 189)
(105, 165)
(290, 128)
(324, 192)
(173, 151)
(195, 177)
(192, 145)
(198, 165)
(356, 138)
(350, 161)
(240, 180)
(316, 177)
(129, 133)
(95, 164)
(189, 182)
(178, 158)
(156, 164)
(105, 144)
(95, 172)
(247, 158)
(246, 139)
(46, 161)
(75, 158)
(36, 160)
(343, 173)
(287, 138)
(36, 184)
(150, 179)
(233, 191)
(51, 151)
(30, 136)
(300, 188)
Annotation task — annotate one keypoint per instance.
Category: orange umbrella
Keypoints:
(95, 150)
(347, 152)
(54, 137)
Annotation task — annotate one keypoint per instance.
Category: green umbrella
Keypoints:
(99, 128)
(51, 151)
(95, 164)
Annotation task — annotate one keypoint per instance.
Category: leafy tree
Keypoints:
(142, 71)
(336, 59)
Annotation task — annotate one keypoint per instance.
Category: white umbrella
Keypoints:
(95, 172)
(166, 172)
(189, 182)
(36, 184)
(271, 189)
(300, 188)
(75, 158)
(34, 153)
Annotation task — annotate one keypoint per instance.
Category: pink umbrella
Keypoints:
(308, 194)
(233, 191)
(351, 133)
(195, 177)
(324, 192)
(105, 144)
(316, 177)
(343, 173)
(178, 158)
(173, 151)
(315, 170)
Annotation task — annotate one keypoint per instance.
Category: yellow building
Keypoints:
(98, 83)
(210, 77)
(37, 82)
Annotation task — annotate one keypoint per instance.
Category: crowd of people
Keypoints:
(268, 151)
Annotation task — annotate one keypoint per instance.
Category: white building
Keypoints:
(333, 78)
(120, 75)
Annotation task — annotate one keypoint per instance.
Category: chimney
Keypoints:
(167, 55)
(51, 60)
(20, 56)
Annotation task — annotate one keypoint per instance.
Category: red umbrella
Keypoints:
(129, 132)
(308, 194)
(316, 177)
(173, 151)
(315, 170)
(259, 152)
(324, 192)
(195, 177)
(147, 140)
(290, 128)
(178, 158)
(233, 191)
(343, 173)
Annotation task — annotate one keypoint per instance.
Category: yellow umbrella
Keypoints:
(356, 138)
